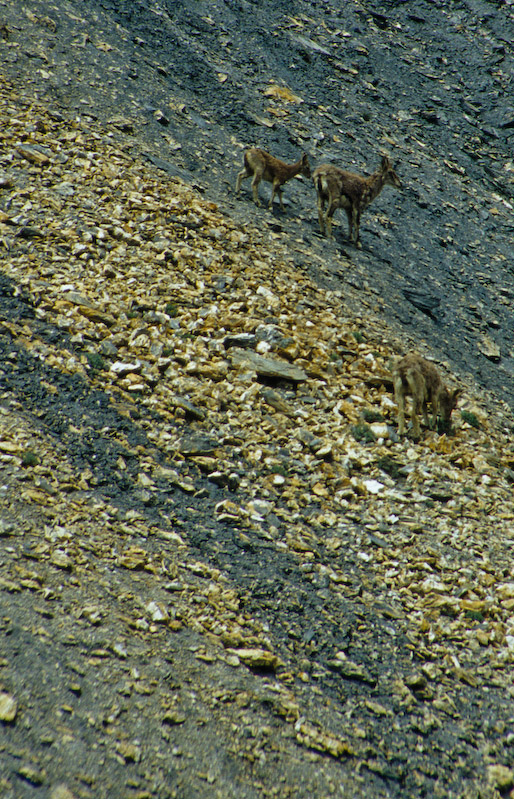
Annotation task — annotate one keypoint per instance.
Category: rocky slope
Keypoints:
(222, 574)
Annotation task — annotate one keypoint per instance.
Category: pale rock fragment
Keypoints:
(506, 590)
(8, 707)
(226, 510)
(259, 508)
(156, 612)
(315, 738)
(61, 559)
(129, 751)
(61, 792)
(489, 348)
(267, 367)
(373, 486)
(500, 777)
(121, 369)
(380, 429)
(276, 401)
(256, 658)
(350, 670)
(33, 154)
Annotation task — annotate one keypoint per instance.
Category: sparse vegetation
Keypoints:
(389, 466)
(95, 361)
(475, 615)
(278, 468)
(215, 592)
(363, 432)
(370, 416)
(470, 418)
(171, 309)
(29, 459)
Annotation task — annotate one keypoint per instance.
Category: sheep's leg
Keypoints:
(349, 214)
(255, 187)
(333, 205)
(356, 219)
(418, 397)
(399, 396)
(245, 173)
(321, 213)
(435, 411)
(276, 189)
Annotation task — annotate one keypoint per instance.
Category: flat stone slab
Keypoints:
(268, 367)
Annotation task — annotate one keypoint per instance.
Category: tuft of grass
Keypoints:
(370, 416)
(95, 361)
(389, 466)
(475, 615)
(278, 468)
(172, 309)
(29, 459)
(363, 432)
(470, 418)
(358, 336)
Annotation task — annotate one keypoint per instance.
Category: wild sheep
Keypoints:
(416, 376)
(264, 166)
(341, 189)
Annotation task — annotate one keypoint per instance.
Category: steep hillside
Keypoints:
(221, 571)
(192, 83)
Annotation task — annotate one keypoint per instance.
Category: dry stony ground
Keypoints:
(221, 573)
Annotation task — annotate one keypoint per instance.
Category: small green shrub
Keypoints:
(358, 336)
(278, 468)
(370, 416)
(29, 459)
(363, 432)
(475, 615)
(470, 418)
(171, 309)
(389, 466)
(95, 361)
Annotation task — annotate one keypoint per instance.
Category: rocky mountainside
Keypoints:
(221, 572)
(192, 83)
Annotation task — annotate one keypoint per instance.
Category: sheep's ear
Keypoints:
(385, 162)
(455, 396)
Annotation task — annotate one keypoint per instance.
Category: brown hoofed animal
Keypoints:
(416, 376)
(264, 166)
(340, 189)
